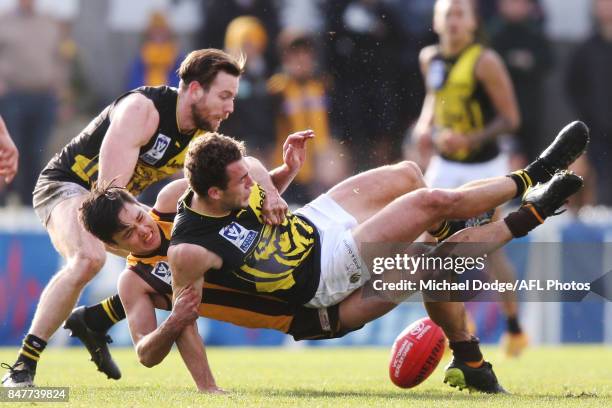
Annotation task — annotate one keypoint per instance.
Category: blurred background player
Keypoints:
(469, 104)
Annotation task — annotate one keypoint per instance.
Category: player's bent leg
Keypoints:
(84, 257)
(360, 308)
(365, 194)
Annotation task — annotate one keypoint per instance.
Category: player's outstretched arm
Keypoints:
(133, 122)
(294, 155)
(193, 352)
(9, 156)
(152, 343)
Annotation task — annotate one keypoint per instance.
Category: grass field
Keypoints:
(331, 377)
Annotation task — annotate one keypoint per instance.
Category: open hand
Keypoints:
(294, 149)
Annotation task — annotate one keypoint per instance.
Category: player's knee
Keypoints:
(438, 201)
(85, 265)
(409, 172)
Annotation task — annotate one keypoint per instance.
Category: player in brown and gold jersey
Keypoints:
(138, 139)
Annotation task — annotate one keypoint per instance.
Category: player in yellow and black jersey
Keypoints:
(160, 157)
(138, 139)
(469, 104)
(226, 301)
(220, 234)
(282, 260)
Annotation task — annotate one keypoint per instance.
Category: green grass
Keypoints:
(332, 377)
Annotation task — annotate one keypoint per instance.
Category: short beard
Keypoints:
(199, 121)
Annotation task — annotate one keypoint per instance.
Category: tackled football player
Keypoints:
(114, 216)
(313, 257)
(138, 139)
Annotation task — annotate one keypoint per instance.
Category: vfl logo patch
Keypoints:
(241, 237)
(162, 272)
(156, 152)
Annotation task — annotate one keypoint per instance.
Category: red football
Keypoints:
(416, 353)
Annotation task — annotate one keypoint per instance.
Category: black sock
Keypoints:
(523, 220)
(467, 351)
(30, 351)
(523, 181)
(102, 316)
(513, 326)
(539, 172)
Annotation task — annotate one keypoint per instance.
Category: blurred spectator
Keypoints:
(300, 101)
(253, 117)
(589, 85)
(364, 59)
(517, 36)
(157, 62)
(159, 56)
(32, 74)
(219, 13)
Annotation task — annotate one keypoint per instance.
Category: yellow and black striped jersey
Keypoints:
(161, 157)
(280, 260)
(229, 304)
(461, 102)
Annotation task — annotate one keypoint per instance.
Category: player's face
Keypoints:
(141, 234)
(238, 190)
(454, 19)
(215, 105)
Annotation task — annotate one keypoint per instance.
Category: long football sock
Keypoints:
(30, 351)
(102, 316)
(468, 352)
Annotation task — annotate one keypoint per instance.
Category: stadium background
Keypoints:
(104, 37)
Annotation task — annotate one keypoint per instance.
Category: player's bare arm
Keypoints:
(491, 71)
(423, 126)
(153, 343)
(133, 122)
(9, 156)
(294, 155)
(193, 352)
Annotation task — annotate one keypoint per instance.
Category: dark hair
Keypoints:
(99, 213)
(207, 159)
(203, 66)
